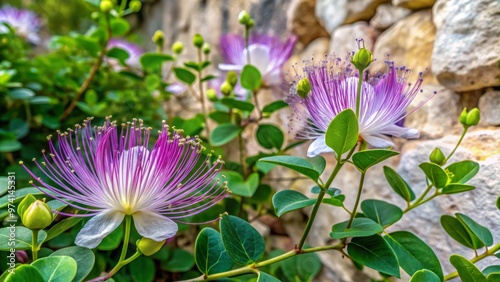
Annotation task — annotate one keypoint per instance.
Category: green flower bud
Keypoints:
(158, 38)
(206, 48)
(37, 216)
(25, 203)
(212, 95)
(177, 47)
(463, 117)
(244, 17)
(106, 6)
(94, 15)
(135, 5)
(473, 117)
(198, 40)
(232, 78)
(251, 23)
(226, 88)
(149, 247)
(303, 87)
(437, 157)
(362, 59)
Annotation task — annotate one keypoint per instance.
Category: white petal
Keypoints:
(318, 146)
(259, 56)
(378, 141)
(154, 226)
(97, 228)
(273, 78)
(229, 67)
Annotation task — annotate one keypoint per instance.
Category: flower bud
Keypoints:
(232, 78)
(362, 59)
(303, 87)
(149, 247)
(212, 95)
(206, 48)
(135, 5)
(94, 16)
(437, 157)
(226, 88)
(198, 40)
(37, 216)
(106, 6)
(473, 117)
(251, 23)
(158, 38)
(463, 116)
(244, 17)
(177, 47)
(25, 203)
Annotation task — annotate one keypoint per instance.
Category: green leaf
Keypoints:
(435, 173)
(119, 26)
(459, 232)
(185, 76)
(414, 254)
(180, 261)
(4, 185)
(476, 229)
(43, 100)
(83, 257)
(498, 202)
(467, 271)
(302, 268)
(62, 226)
(22, 238)
(274, 106)
(289, 200)
(463, 171)
(153, 60)
(210, 255)
(398, 184)
(240, 187)
(112, 241)
(10, 145)
(19, 127)
(374, 252)
(251, 78)
(454, 188)
(21, 93)
(23, 272)
(193, 65)
(270, 136)
(425, 275)
(56, 268)
(493, 277)
(381, 212)
(366, 159)
(264, 277)
(119, 54)
(19, 195)
(491, 269)
(224, 133)
(295, 163)
(318, 163)
(342, 133)
(219, 116)
(191, 126)
(360, 227)
(237, 104)
(142, 269)
(242, 242)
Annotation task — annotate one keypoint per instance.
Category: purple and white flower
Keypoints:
(134, 51)
(25, 23)
(384, 100)
(267, 54)
(110, 172)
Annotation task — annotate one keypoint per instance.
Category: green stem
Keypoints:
(122, 7)
(247, 38)
(358, 197)
(475, 259)
(257, 107)
(318, 203)
(121, 264)
(34, 244)
(458, 143)
(202, 94)
(419, 199)
(358, 97)
(126, 239)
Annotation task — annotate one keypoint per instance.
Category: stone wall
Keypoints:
(457, 45)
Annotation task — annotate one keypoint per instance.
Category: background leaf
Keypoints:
(184, 75)
(151, 60)
(224, 133)
(425, 276)
(22, 239)
(398, 184)
(23, 272)
(269, 136)
(83, 257)
(210, 255)
(360, 227)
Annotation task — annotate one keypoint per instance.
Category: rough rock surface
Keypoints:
(489, 104)
(409, 42)
(303, 22)
(386, 15)
(414, 4)
(466, 50)
(343, 39)
(359, 10)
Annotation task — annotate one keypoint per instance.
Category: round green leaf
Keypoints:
(264, 277)
(251, 78)
(21, 93)
(19, 127)
(119, 54)
(302, 268)
(184, 75)
(83, 257)
(23, 272)
(435, 173)
(237, 104)
(153, 60)
(210, 255)
(10, 145)
(398, 184)
(22, 238)
(240, 187)
(491, 269)
(454, 188)
(270, 136)
(381, 212)
(374, 252)
(425, 275)
(295, 163)
(459, 232)
(318, 163)
(224, 133)
(342, 133)
(242, 242)
(142, 269)
(56, 268)
(360, 227)
(463, 171)
(180, 261)
(467, 270)
(365, 159)
(119, 26)
(289, 200)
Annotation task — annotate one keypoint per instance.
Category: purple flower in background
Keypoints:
(134, 51)
(24, 22)
(110, 172)
(267, 54)
(384, 100)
